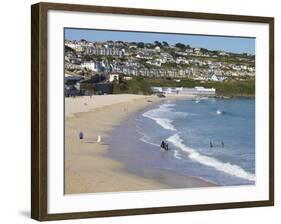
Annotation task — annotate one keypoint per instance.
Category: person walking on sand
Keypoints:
(81, 135)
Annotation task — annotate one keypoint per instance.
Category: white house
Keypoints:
(90, 65)
(113, 77)
(127, 78)
(75, 46)
(157, 48)
(214, 78)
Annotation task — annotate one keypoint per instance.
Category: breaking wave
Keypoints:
(164, 115)
(228, 168)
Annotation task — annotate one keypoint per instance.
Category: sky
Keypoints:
(229, 44)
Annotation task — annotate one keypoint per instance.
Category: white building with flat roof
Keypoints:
(198, 90)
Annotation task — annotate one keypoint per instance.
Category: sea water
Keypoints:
(209, 138)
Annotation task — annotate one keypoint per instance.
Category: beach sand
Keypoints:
(87, 168)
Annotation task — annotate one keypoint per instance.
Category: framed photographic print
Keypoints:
(140, 111)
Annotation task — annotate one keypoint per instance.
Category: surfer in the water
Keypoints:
(211, 144)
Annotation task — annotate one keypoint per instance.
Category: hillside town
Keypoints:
(106, 62)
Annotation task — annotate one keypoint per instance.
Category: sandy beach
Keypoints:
(87, 167)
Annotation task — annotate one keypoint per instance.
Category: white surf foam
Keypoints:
(165, 123)
(164, 115)
(228, 168)
(177, 154)
(145, 138)
(218, 112)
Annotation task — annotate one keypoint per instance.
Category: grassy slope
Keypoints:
(230, 88)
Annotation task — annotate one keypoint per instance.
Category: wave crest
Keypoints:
(164, 115)
(228, 168)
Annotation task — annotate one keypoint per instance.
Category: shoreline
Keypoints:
(88, 168)
(235, 96)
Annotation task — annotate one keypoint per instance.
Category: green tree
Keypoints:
(140, 45)
(165, 44)
(87, 57)
(180, 45)
(204, 50)
(87, 73)
(68, 49)
(157, 43)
